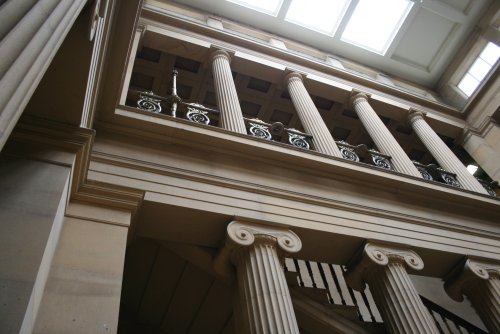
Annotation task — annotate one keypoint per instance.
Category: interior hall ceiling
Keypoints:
(427, 42)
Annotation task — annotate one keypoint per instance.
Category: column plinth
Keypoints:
(442, 153)
(384, 269)
(381, 136)
(231, 117)
(480, 282)
(264, 304)
(310, 117)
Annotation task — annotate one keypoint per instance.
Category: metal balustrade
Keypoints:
(174, 106)
(328, 282)
(362, 153)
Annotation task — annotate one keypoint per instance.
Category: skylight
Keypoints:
(479, 69)
(319, 15)
(374, 24)
(472, 169)
(270, 7)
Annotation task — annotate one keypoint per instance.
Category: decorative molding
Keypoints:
(78, 141)
(292, 75)
(161, 169)
(220, 52)
(413, 114)
(356, 96)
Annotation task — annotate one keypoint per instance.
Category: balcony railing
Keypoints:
(434, 173)
(174, 106)
(362, 153)
(326, 283)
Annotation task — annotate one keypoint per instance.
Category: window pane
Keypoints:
(320, 15)
(490, 53)
(468, 84)
(479, 69)
(270, 7)
(374, 24)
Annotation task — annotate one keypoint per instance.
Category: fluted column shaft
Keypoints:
(384, 269)
(231, 117)
(31, 32)
(310, 117)
(442, 153)
(263, 290)
(382, 137)
(480, 282)
(264, 304)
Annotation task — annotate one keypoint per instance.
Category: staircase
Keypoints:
(325, 284)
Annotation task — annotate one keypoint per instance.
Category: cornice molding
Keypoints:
(78, 141)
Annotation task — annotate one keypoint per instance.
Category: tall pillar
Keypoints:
(31, 32)
(381, 136)
(264, 304)
(309, 116)
(443, 155)
(231, 117)
(383, 267)
(480, 282)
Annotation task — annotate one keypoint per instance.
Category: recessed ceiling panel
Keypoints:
(270, 7)
(374, 24)
(424, 40)
(322, 16)
(461, 5)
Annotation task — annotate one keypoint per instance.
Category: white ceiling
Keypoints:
(427, 42)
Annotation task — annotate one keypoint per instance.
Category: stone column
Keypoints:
(31, 32)
(257, 251)
(309, 116)
(383, 267)
(381, 136)
(480, 282)
(443, 155)
(231, 117)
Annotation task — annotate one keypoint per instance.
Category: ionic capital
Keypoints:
(245, 234)
(219, 53)
(468, 273)
(415, 114)
(376, 255)
(357, 96)
(240, 236)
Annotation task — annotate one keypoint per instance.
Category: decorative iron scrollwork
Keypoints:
(490, 187)
(298, 140)
(382, 162)
(260, 131)
(490, 191)
(425, 174)
(149, 103)
(450, 179)
(197, 115)
(349, 154)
